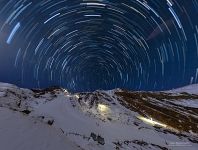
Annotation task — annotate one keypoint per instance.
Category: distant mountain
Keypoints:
(54, 119)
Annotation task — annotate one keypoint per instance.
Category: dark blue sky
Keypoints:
(100, 44)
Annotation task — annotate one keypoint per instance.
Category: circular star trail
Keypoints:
(84, 45)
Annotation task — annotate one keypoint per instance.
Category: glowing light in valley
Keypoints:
(152, 122)
(103, 108)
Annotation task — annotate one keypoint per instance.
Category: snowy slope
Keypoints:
(103, 120)
(19, 132)
(191, 89)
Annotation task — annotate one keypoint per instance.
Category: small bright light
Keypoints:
(64, 90)
(77, 96)
(151, 121)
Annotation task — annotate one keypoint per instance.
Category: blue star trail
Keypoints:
(85, 45)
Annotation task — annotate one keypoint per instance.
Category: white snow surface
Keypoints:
(187, 103)
(73, 123)
(191, 89)
(19, 132)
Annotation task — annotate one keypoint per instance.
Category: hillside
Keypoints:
(53, 118)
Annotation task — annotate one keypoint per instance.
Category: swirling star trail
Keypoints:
(84, 45)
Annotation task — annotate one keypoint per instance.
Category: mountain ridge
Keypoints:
(114, 119)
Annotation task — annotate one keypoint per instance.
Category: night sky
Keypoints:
(85, 45)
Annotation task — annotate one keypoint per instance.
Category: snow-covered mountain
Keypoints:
(54, 119)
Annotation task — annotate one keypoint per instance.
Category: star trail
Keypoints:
(85, 45)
